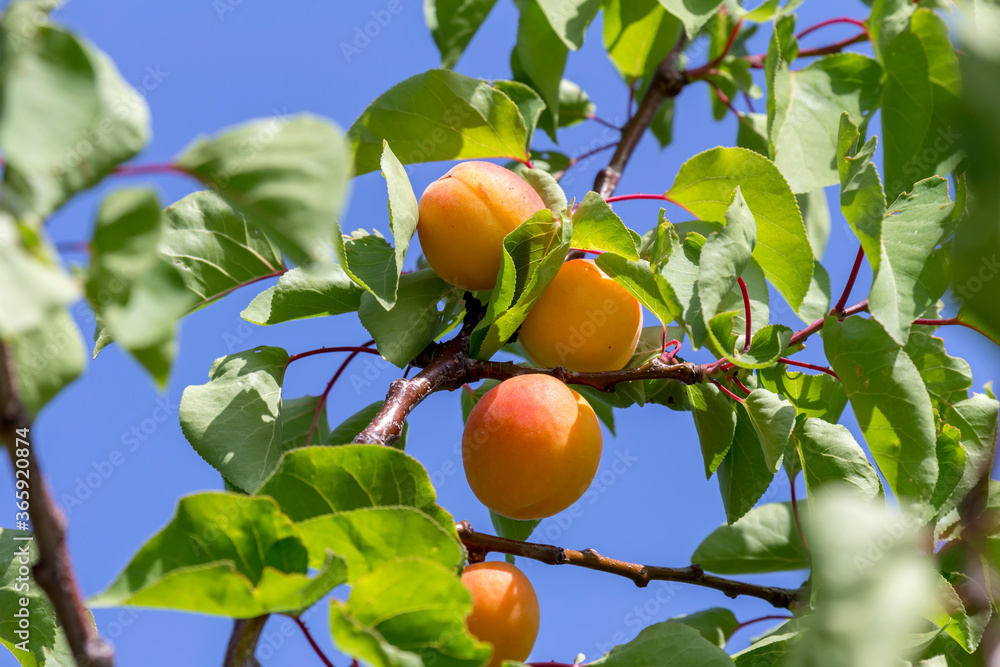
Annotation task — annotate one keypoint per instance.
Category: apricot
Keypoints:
(464, 217)
(504, 609)
(531, 447)
(584, 321)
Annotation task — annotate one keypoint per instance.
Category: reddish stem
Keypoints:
(757, 61)
(725, 99)
(327, 350)
(82, 247)
(746, 98)
(802, 364)
(637, 195)
(326, 392)
(741, 385)
(840, 19)
(951, 321)
(598, 119)
(312, 642)
(839, 308)
(699, 72)
(802, 334)
(143, 169)
(746, 308)
(757, 620)
(726, 391)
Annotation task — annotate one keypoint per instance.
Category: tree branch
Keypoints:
(53, 572)
(480, 544)
(243, 642)
(667, 82)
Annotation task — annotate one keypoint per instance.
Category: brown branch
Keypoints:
(480, 544)
(53, 572)
(243, 642)
(667, 82)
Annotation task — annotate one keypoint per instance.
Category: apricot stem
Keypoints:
(312, 642)
(641, 575)
(746, 309)
(839, 308)
(326, 392)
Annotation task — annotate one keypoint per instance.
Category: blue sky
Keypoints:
(111, 443)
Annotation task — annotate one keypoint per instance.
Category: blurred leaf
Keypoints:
(774, 647)
(68, 117)
(300, 293)
(715, 421)
(765, 540)
(532, 255)
(685, 645)
(438, 115)
(453, 23)
(539, 59)
(830, 455)
(288, 175)
(692, 13)
(782, 249)
(224, 554)
(234, 421)
(47, 359)
(403, 332)
(890, 403)
(390, 622)
(638, 34)
(950, 613)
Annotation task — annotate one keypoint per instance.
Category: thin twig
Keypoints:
(757, 60)
(480, 544)
(598, 119)
(326, 392)
(756, 620)
(312, 642)
(812, 367)
(53, 572)
(746, 310)
(839, 308)
(699, 72)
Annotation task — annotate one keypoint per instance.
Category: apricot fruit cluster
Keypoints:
(531, 447)
(504, 609)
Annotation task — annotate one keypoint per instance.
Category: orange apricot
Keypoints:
(464, 217)
(584, 321)
(504, 609)
(531, 447)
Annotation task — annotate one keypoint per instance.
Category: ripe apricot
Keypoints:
(504, 609)
(464, 216)
(531, 447)
(584, 321)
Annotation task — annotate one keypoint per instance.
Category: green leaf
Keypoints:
(662, 126)
(438, 115)
(692, 13)
(913, 226)
(297, 415)
(816, 216)
(532, 255)
(685, 646)
(744, 474)
(390, 622)
(369, 537)
(513, 529)
(766, 346)
(574, 105)
(715, 624)
(638, 35)
(403, 332)
(648, 287)
(715, 421)
(300, 293)
(597, 227)
(453, 23)
(530, 106)
(947, 378)
(47, 359)
(403, 215)
(890, 403)
(314, 481)
(539, 59)
(224, 554)
(950, 613)
(547, 188)
(817, 301)
(765, 540)
(773, 417)
(68, 117)
(214, 247)
(920, 104)
(829, 455)
(234, 421)
(353, 425)
(570, 18)
(821, 396)
(137, 292)
(288, 175)
(704, 185)
(951, 466)
(976, 420)
(774, 647)
(22, 597)
(725, 255)
(805, 126)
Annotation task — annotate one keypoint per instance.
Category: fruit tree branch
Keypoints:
(480, 544)
(243, 642)
(667, 82)
(53, 572)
